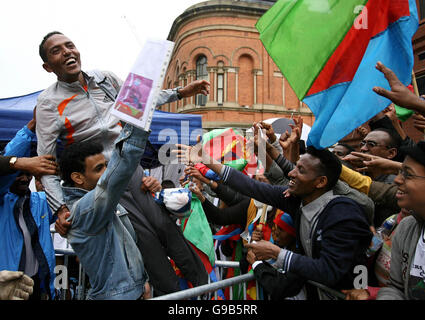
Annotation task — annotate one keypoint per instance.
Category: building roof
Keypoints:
(250, 7)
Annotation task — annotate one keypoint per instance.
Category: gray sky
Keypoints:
(108, 33)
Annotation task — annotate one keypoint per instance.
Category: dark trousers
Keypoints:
(159, 238)
(36, 293)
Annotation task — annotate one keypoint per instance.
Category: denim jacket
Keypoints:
(101, 233)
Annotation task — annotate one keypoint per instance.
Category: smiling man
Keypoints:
(76, 108)
(332, 230)
(407, 280)
(61, 57)
(101, 233)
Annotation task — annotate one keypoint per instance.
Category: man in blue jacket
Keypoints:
(101, 233)
(332, 230)
(25, 217)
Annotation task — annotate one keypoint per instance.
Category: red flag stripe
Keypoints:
(343, 64)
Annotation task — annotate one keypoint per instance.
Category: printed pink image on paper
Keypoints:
(134, 95)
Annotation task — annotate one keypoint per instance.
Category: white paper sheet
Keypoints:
(137, 98)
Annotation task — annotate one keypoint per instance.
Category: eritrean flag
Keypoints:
(198, 232)
(328, 49)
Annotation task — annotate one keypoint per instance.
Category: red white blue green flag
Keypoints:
(327, 50)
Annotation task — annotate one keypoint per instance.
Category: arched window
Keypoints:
(201, 74)
(246, 81)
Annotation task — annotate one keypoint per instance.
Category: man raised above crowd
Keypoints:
(77, 107)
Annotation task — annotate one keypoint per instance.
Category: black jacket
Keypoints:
(340, 239)
(278, 285)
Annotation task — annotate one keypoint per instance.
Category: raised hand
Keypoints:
(391, 113)
(419, 122)
(373, 163)
(299, 122)
(362, 131)
(189, 154)
(290, 143)
(399, 93)
(268, 131)
(194, 88)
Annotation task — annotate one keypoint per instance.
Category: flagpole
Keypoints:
(263, 218)
(415, 85)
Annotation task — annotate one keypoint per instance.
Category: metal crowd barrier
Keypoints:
(199, 292)
(207, 288)
(81, 289)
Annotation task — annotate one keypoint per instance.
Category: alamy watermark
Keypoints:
(360, 281)
(361, 22)
(61, 279)
(225, 148)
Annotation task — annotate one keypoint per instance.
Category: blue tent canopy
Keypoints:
(166, 127)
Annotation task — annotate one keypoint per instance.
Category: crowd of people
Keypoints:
(308, 216)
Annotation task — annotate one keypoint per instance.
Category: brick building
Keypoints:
(217, 41)
(419, 47)
(419, 67)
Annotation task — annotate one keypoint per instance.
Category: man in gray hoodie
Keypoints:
(407, 273)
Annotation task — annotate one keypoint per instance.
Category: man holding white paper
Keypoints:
(78, 108)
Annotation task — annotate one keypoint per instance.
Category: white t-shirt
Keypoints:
(417, 271)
